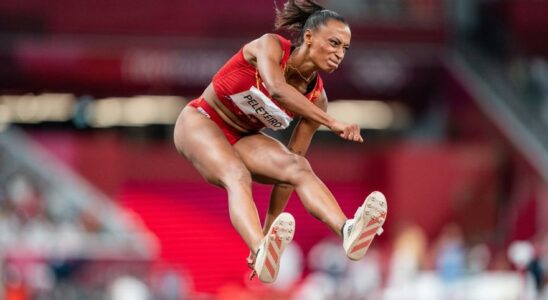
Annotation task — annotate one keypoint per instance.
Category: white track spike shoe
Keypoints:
(358, 233)
(267, 262)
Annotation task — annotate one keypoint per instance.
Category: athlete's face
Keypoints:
(328, 44)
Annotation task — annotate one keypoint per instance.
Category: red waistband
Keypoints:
(231, 133)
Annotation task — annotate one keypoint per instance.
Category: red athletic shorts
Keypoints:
(231, 134)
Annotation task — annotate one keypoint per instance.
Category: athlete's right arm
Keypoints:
(266, 54)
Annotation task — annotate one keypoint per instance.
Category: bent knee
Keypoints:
(233, 174)
(297, 167)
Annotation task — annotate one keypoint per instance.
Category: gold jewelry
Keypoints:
(307, 80)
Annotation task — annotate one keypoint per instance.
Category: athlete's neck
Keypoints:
(300, 63)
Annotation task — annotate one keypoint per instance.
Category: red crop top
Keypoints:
(238, 75)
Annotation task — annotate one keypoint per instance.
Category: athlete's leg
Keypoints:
(278, 200)
(270, 161)
(202, 142)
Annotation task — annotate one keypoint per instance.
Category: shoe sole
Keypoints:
(279, 235)
(369, 222)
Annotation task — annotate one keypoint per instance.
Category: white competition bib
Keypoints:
(257, 104)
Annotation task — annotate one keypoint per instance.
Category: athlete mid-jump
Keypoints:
(266, 84)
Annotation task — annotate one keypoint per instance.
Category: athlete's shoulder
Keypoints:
(270, 37)
(282, 39)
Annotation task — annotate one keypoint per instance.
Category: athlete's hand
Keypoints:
(346, 131)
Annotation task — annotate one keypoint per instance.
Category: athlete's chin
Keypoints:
(330, 70)
(329, 67)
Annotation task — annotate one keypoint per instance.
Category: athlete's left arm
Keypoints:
(305, 129)
(298, 144)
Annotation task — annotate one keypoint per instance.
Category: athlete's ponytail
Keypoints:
(299, 15)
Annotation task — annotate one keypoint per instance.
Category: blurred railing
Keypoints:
(48, 210)
(514, 114)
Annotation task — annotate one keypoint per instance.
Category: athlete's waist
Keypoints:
(225, 113)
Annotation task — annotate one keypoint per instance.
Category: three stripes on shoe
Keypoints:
(367, 236)
(273, 253)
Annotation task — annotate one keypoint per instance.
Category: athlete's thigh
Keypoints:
(267, 159)
(203, 143)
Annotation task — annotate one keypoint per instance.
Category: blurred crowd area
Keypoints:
(412, 267)
(60, 238)
(43, 258)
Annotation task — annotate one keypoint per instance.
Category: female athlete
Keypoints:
(266, 84)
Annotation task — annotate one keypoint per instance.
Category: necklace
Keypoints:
(307, 80)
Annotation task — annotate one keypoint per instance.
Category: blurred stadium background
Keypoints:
(95, 203)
